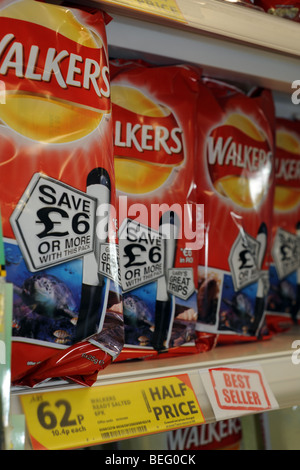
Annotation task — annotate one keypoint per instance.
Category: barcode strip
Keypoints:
(124, 432)
(146, 401)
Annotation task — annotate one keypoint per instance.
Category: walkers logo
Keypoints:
(147, 139)
(59, 76)
(222, 435)
(239, 161)
(287, 171)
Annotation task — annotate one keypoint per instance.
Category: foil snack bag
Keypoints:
(56, 188)
(159, 227)
(222, 435)
(236, 183)
(284, 9)
(284, 295)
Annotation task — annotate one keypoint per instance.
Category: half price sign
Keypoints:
(68, 419)
(238, 391)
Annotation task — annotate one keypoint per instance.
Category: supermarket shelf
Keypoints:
(219, 36)
(223, 40)
(274, 356)
(226, 19)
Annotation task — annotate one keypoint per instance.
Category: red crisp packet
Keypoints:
(222, 435)
(286, 9)
(284, 296)
(80, 363)
(57, 189)
(236, 184)
(154, 114)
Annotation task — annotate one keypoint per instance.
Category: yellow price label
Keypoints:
(164, 8)
(69, 419)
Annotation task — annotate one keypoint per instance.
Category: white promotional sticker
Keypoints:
(141, 255)
(237, 391)
(109, 262)
(53, 223)
(243, 261)
(285, 252)
(181, 282)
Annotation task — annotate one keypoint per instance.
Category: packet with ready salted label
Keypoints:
(235, 180)
(160, 234)
(284, 295)
(56, 189)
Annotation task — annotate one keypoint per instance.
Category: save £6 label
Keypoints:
(53, 223)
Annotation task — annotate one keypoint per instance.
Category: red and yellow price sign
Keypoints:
(67, 419)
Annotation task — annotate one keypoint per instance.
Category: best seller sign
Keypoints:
(239, 390)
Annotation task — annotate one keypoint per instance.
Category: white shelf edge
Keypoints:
(134, 38)
(274, 356)
(278, 347)
(221, 18)
(236, 22)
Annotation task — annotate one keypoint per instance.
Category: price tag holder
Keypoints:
(162, 8)
(237, 391)
(69, 419)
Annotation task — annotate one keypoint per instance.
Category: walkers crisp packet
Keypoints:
(221, 435)
(287, 9)
(154, 115)
(56, 186)
(235, 180)
(284, 295)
